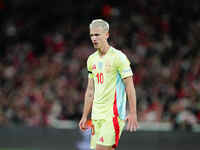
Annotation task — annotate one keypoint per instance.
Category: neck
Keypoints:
(103, 51)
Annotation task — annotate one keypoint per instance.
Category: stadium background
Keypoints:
(43, 50)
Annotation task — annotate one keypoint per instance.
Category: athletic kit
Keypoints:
(109, 105)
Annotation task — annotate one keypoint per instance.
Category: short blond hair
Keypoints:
(100, 23)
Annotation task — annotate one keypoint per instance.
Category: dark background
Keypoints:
(53, 139)
(44, 46)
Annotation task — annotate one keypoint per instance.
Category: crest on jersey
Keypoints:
(100, 65)
(108, 66)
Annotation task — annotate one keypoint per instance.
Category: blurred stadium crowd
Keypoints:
(44, 47)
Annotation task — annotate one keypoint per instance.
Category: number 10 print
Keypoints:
(100, 78)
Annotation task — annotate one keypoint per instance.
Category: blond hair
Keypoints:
(100, 23)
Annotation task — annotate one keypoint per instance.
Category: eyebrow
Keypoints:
(96, 34)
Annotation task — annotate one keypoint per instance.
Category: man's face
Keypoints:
(99, 37)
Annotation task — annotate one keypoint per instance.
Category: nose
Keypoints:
(93, 38)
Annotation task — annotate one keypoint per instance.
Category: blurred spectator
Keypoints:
(43, 59)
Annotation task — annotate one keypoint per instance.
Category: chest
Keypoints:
(104, 65)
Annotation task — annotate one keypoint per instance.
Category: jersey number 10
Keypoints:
(100, 77)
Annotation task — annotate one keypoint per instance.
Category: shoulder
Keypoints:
(92, 56)
(118, 54)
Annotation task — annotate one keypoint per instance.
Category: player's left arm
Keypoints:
(124, 69)
(131, 94)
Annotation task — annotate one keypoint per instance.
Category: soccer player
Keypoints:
(109, 81)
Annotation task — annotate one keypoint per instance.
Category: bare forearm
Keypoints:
(132, 116)
(131, 94)
(89, 96)
(132, 100)
(87, 104)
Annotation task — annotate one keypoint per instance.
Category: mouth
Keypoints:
(95, 43)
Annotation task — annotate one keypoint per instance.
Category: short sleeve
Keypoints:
(89, 68)
(123, 66)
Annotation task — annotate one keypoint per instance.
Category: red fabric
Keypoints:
(116, 126)
(198, 116)
(58, 47)
(106, 11)
(165, 26)
(115, 122)
(181, 93)
(31, 58)
(2, 6)
(137, 79)
(115, 110)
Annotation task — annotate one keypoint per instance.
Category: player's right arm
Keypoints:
(89, 96)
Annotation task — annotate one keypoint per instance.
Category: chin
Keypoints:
(96, 47)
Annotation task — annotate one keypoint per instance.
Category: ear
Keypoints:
(107, 35)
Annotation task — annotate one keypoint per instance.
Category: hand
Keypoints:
(83, 124)
(132, 122)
